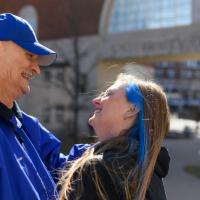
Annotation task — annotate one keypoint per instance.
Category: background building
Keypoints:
(97, 38)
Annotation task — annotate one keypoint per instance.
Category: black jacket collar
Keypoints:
(6, 113)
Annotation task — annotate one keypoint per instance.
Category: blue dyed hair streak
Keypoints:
(135, 96)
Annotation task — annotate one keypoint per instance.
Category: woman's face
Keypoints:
(113, 114)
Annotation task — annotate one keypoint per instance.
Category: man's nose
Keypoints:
(35, 68)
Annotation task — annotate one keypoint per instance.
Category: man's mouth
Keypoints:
(27, 75)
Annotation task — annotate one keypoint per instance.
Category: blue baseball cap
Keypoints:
(18, 30)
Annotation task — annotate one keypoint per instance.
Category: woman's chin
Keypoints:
(91, 121)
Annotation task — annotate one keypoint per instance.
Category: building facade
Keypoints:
(162, 37)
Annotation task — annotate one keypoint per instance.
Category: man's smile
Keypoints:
(27, 75)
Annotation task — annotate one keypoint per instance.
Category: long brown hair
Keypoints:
(156, 116)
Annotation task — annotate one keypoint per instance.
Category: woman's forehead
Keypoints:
(116, 86)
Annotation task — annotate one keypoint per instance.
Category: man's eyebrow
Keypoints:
(31, 54)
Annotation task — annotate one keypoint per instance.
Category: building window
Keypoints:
(129, 15)
(171, 73)
(29, 13)
(197, 74)
(158, 73)
(186, 74)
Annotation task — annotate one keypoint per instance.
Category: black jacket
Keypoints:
(113, 182)
(156, 189)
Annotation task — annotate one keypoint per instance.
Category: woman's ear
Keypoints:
(131, 112)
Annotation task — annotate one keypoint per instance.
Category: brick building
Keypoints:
(55, 19)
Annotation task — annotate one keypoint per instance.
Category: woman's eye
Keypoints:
(105, 94)
(108, 93)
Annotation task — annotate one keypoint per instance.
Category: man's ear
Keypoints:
(131, 112)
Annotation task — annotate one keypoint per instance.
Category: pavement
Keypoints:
(180, 185)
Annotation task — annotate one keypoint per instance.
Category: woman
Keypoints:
(131, 120)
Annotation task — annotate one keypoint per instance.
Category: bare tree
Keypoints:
(76, 80)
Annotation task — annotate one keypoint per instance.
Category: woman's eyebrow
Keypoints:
(105, 92)
(111, 90)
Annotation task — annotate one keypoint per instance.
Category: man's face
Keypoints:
(17, 68)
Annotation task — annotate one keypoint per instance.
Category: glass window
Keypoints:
(171, 73)
(148, 14)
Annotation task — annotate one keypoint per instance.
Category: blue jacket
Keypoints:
(29, 156)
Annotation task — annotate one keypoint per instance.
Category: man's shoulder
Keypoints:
(30, 122)
(26, 116)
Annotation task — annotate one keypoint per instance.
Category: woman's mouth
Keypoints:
(27, 75)
(98, 110)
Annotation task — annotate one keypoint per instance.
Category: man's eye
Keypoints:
(30, 56)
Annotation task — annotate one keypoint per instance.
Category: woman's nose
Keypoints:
(96, 101)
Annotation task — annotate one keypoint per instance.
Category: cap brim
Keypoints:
(46, 55)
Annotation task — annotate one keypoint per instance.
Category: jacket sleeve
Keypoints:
(6, 188)
(48, 146)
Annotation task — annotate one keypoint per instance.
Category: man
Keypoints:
(28, 152)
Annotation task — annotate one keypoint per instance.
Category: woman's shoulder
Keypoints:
(95, 164)
(95, 171)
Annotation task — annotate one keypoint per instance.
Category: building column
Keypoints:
(195, 11)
